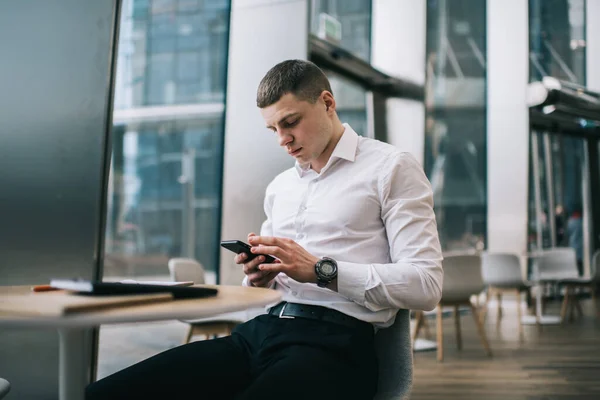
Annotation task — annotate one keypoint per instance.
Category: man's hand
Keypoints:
(255, 276)
(294, 260)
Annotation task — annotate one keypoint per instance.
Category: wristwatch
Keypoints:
(326, 270)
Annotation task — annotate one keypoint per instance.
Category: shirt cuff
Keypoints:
(247, 283)
(352, 281)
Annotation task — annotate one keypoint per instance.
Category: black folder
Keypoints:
(96, 288)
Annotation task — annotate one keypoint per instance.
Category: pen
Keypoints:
(43, 288)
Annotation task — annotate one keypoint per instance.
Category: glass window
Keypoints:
(154, 33)
(351, 102)
(188, 5)
(188, 67)
(147, 195)
(160, 87)
(455, 130)
(355, 19)
(540, 226)
(557, 39)
(557, 46)
(171, 52)
(136, 9)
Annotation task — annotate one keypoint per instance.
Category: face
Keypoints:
(303, 129)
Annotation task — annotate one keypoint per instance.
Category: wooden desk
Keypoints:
(75, 328)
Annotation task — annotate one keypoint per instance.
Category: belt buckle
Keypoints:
(282, 310)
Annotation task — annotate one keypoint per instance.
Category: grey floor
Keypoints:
(123, 345)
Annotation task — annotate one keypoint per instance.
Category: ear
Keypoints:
(328, 100)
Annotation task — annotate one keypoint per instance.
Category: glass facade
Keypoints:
(172, 52)
(354, 17)
(351, 100)
(455, 158)
(165, 179)
(557, 40)
(557, 48)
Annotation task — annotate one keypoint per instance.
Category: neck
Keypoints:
(338, 130)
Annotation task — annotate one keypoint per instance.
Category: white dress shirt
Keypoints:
(371, 210)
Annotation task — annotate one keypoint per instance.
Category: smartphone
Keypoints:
(237, 246)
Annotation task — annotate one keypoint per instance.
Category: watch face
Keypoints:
(327, 269)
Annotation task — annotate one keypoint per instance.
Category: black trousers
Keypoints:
(265, 358)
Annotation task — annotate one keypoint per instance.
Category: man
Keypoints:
(575, 235)
(353, 231)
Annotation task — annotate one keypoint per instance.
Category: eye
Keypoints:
(292, 123)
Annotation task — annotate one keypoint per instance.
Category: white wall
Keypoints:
(593, 45)
(262, 34)
(508, 124)
(398, 49)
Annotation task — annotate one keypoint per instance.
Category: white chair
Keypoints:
(570, 301)
(462, 280)
(550, 266)
(394, 352)
(4, 387)
(553, 265)
(187, 269)
(501, 272)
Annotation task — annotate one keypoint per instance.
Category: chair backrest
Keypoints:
(595, 266)
(394, 352)
(558, 263)
(501, 270)
(4, 387)
(462, 277)
(186, 269)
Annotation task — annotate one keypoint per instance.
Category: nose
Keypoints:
(284, 138)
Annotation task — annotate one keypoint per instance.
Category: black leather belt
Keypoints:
(295, 310)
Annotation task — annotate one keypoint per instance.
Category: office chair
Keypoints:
(462, 280)
(501, 273)
(394, 352)
(570, 301)
(4, 388)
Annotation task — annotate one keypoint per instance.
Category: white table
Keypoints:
(539, 318)
(75, 329)
(424, 345)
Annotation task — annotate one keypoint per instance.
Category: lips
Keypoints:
(294, 152)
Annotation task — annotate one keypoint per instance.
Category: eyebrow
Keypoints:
(283, 119)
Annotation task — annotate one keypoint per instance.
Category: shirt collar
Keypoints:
(345, 148)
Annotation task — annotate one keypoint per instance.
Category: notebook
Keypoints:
(95, 288)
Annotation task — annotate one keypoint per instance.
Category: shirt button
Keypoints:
(294, 293)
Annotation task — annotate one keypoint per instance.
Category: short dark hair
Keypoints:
(301, 78)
